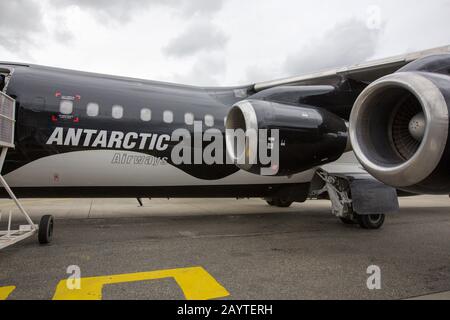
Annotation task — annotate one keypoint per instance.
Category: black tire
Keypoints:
(282, 203)
(371, 222)
(45, 234)
(347, 221)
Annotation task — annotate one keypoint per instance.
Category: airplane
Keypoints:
(360, 136)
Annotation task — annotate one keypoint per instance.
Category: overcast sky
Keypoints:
(216, 42)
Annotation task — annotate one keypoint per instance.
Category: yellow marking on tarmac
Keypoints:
(196, 284)
(6, 291)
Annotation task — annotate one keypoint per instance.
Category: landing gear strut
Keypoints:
(338, 189)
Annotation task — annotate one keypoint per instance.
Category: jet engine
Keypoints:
(302, 136)
(399, 127)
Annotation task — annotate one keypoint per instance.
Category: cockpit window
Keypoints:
(66, 107)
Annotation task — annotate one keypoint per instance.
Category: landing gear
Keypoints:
(371, 221)
(279, 202)
(339, 192)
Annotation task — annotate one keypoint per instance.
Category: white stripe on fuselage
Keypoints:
(97, 168)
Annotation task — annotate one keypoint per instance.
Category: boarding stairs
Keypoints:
(9, 236)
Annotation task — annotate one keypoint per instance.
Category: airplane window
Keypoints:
(117, 112)
(92, 109)
(66, 106)
(168, 116)
(146, 114)
(209, 120)
(189, 119)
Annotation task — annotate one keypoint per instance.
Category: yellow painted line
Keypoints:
(6, 291)
(196, 284)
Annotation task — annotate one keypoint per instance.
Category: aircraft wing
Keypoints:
(365, 72)
(397, 122)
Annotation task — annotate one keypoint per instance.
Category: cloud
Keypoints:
(23, 27)
(261, 72)
(201, 7)
(20, 21)
(203, 41)
(348, 43)
(201, 36)
(206, 71)
(122, 11)
(62, 34)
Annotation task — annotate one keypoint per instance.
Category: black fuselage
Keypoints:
(39, 92)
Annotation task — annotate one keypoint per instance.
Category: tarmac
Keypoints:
(227, 249)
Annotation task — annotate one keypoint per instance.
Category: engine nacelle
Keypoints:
(307, 136)
(399, 129)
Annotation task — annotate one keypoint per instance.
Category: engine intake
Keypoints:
(399, 130)
(308, 136)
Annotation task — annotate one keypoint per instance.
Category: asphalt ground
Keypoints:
(227, 249)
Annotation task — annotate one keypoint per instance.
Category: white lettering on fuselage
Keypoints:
(110, 140)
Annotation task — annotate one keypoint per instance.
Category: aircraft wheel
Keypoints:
(45, 233)
(282, 203)
(371, 222)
